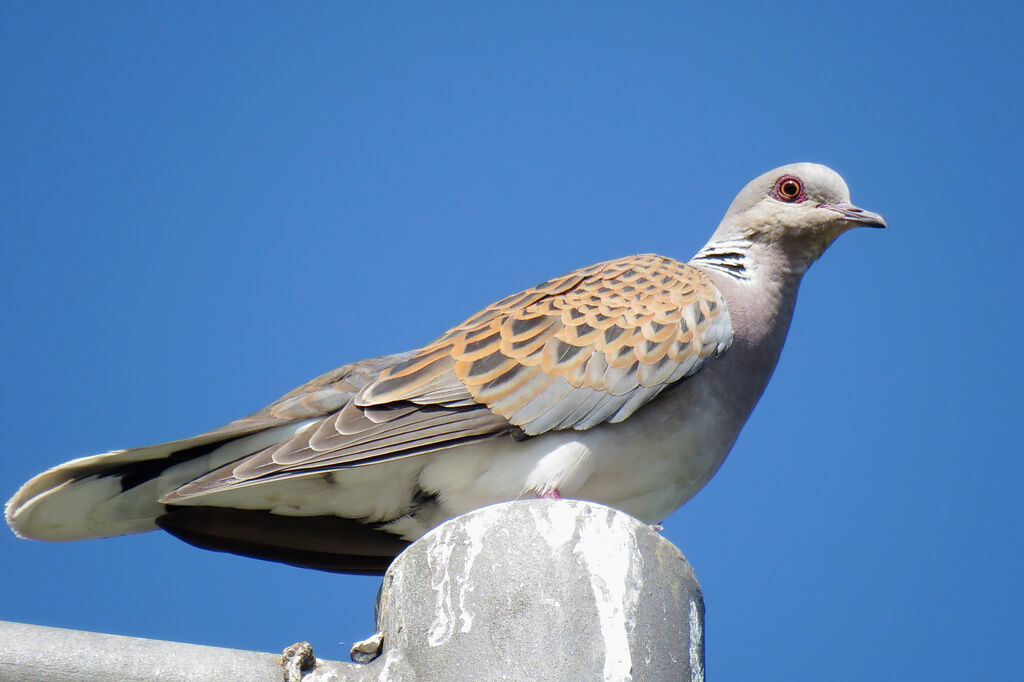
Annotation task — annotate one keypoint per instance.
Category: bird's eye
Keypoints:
(788, 188)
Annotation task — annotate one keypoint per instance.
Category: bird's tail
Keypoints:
(117, 493)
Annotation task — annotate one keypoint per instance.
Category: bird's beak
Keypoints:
(857, 216)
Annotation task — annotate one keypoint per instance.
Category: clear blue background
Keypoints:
(203, 206)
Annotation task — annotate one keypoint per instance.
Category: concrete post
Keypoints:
(542, 590)
(528, 590)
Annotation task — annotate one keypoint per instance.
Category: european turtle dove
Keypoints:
(625, 382)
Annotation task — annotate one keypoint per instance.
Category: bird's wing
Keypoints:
(573, 352)
(570, 353)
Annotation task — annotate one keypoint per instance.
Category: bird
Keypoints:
(626, 383)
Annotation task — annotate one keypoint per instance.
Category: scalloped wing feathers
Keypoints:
(590, 347)
(573, 352)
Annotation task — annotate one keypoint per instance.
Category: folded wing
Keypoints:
(571, 353)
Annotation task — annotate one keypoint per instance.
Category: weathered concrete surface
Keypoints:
(532, 590)
(541, 590)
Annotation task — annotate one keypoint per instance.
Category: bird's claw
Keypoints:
(368, 649)
(296, 659)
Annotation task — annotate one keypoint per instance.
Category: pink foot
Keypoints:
(551, 494)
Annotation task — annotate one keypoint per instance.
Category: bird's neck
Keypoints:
(729, 256)
(760, 283)
(785, 257)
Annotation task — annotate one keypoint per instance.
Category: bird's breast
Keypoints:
(647, 465)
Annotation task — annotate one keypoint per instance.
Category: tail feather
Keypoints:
(117, 493)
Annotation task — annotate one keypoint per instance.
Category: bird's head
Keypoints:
(798, 209)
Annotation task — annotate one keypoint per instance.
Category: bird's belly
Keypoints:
(647, 466)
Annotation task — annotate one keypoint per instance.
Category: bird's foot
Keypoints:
(549, 494)
(296, 659)
(368, 649)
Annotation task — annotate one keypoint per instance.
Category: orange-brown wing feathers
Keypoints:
(579, 350)
(572, 352)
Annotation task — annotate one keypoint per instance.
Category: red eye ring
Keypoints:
(789, 188)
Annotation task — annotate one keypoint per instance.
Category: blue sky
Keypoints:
(206, 206)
